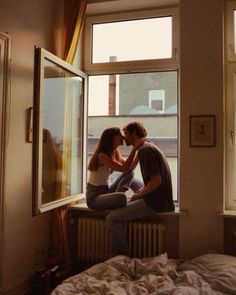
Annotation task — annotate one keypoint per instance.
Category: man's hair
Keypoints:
(136, 128)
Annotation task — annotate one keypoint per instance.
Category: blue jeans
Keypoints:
(105, 197)
(125, 180)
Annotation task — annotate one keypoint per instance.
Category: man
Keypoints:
(156, 194)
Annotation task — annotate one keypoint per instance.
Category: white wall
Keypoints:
(29, 23)
(201, 92)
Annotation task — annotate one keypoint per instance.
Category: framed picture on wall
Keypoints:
(202, 131)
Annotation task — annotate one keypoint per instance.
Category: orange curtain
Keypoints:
(73, 25)
(59, 240)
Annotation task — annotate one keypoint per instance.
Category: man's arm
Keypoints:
(153, 183)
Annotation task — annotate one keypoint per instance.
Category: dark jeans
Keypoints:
(115, 223)
(106, 198)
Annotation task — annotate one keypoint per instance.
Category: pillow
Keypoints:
(217, 269)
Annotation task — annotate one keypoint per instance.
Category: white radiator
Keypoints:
(145, 239)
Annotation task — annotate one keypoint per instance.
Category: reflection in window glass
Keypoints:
(132, 40)
(116, 100)
(62, 132)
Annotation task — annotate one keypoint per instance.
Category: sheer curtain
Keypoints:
(74, 16)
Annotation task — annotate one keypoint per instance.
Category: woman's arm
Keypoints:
(119, 157)
(116, 165)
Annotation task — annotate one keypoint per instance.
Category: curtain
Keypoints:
(74, 18)
(73, 25)
(59, 243)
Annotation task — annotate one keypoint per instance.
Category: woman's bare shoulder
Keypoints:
(103, 156)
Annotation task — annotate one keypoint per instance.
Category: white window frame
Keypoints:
(230, 109)
(230, 148)
(230, 36)
(137, 65)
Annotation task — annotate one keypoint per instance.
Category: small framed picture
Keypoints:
(202, 131)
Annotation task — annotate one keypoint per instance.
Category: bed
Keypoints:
(209, 274)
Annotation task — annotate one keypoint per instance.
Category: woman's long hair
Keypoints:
(105, 145)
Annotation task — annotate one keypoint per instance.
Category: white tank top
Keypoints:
(99, 177)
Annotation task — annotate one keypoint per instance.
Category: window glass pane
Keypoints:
(133, 94)
(116, 100)
(62, 116)
(132, 40)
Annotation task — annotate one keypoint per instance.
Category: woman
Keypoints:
(105, 160)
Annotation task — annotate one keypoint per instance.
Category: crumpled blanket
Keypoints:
(122, 275)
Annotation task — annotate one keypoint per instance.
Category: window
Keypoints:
(126, 83)
(131, 40)
(230, 103)
(231, 32)
(138, 41)
(157, 100)
(58, 133)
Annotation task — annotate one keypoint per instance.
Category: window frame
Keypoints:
(140, 66)
(230, 152)
(38, 206)
(137, 65)
(230, 112)
(230, 49)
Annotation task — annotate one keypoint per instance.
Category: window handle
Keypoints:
(232, 136)
(175, 54)
(231, 50)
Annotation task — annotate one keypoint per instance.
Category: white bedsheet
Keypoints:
(210, 274)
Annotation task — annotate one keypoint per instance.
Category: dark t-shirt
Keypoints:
(153, 162)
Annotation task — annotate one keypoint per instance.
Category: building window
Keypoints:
(137, 85)
(157, 100)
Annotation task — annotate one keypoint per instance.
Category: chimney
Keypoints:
(112, 91)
